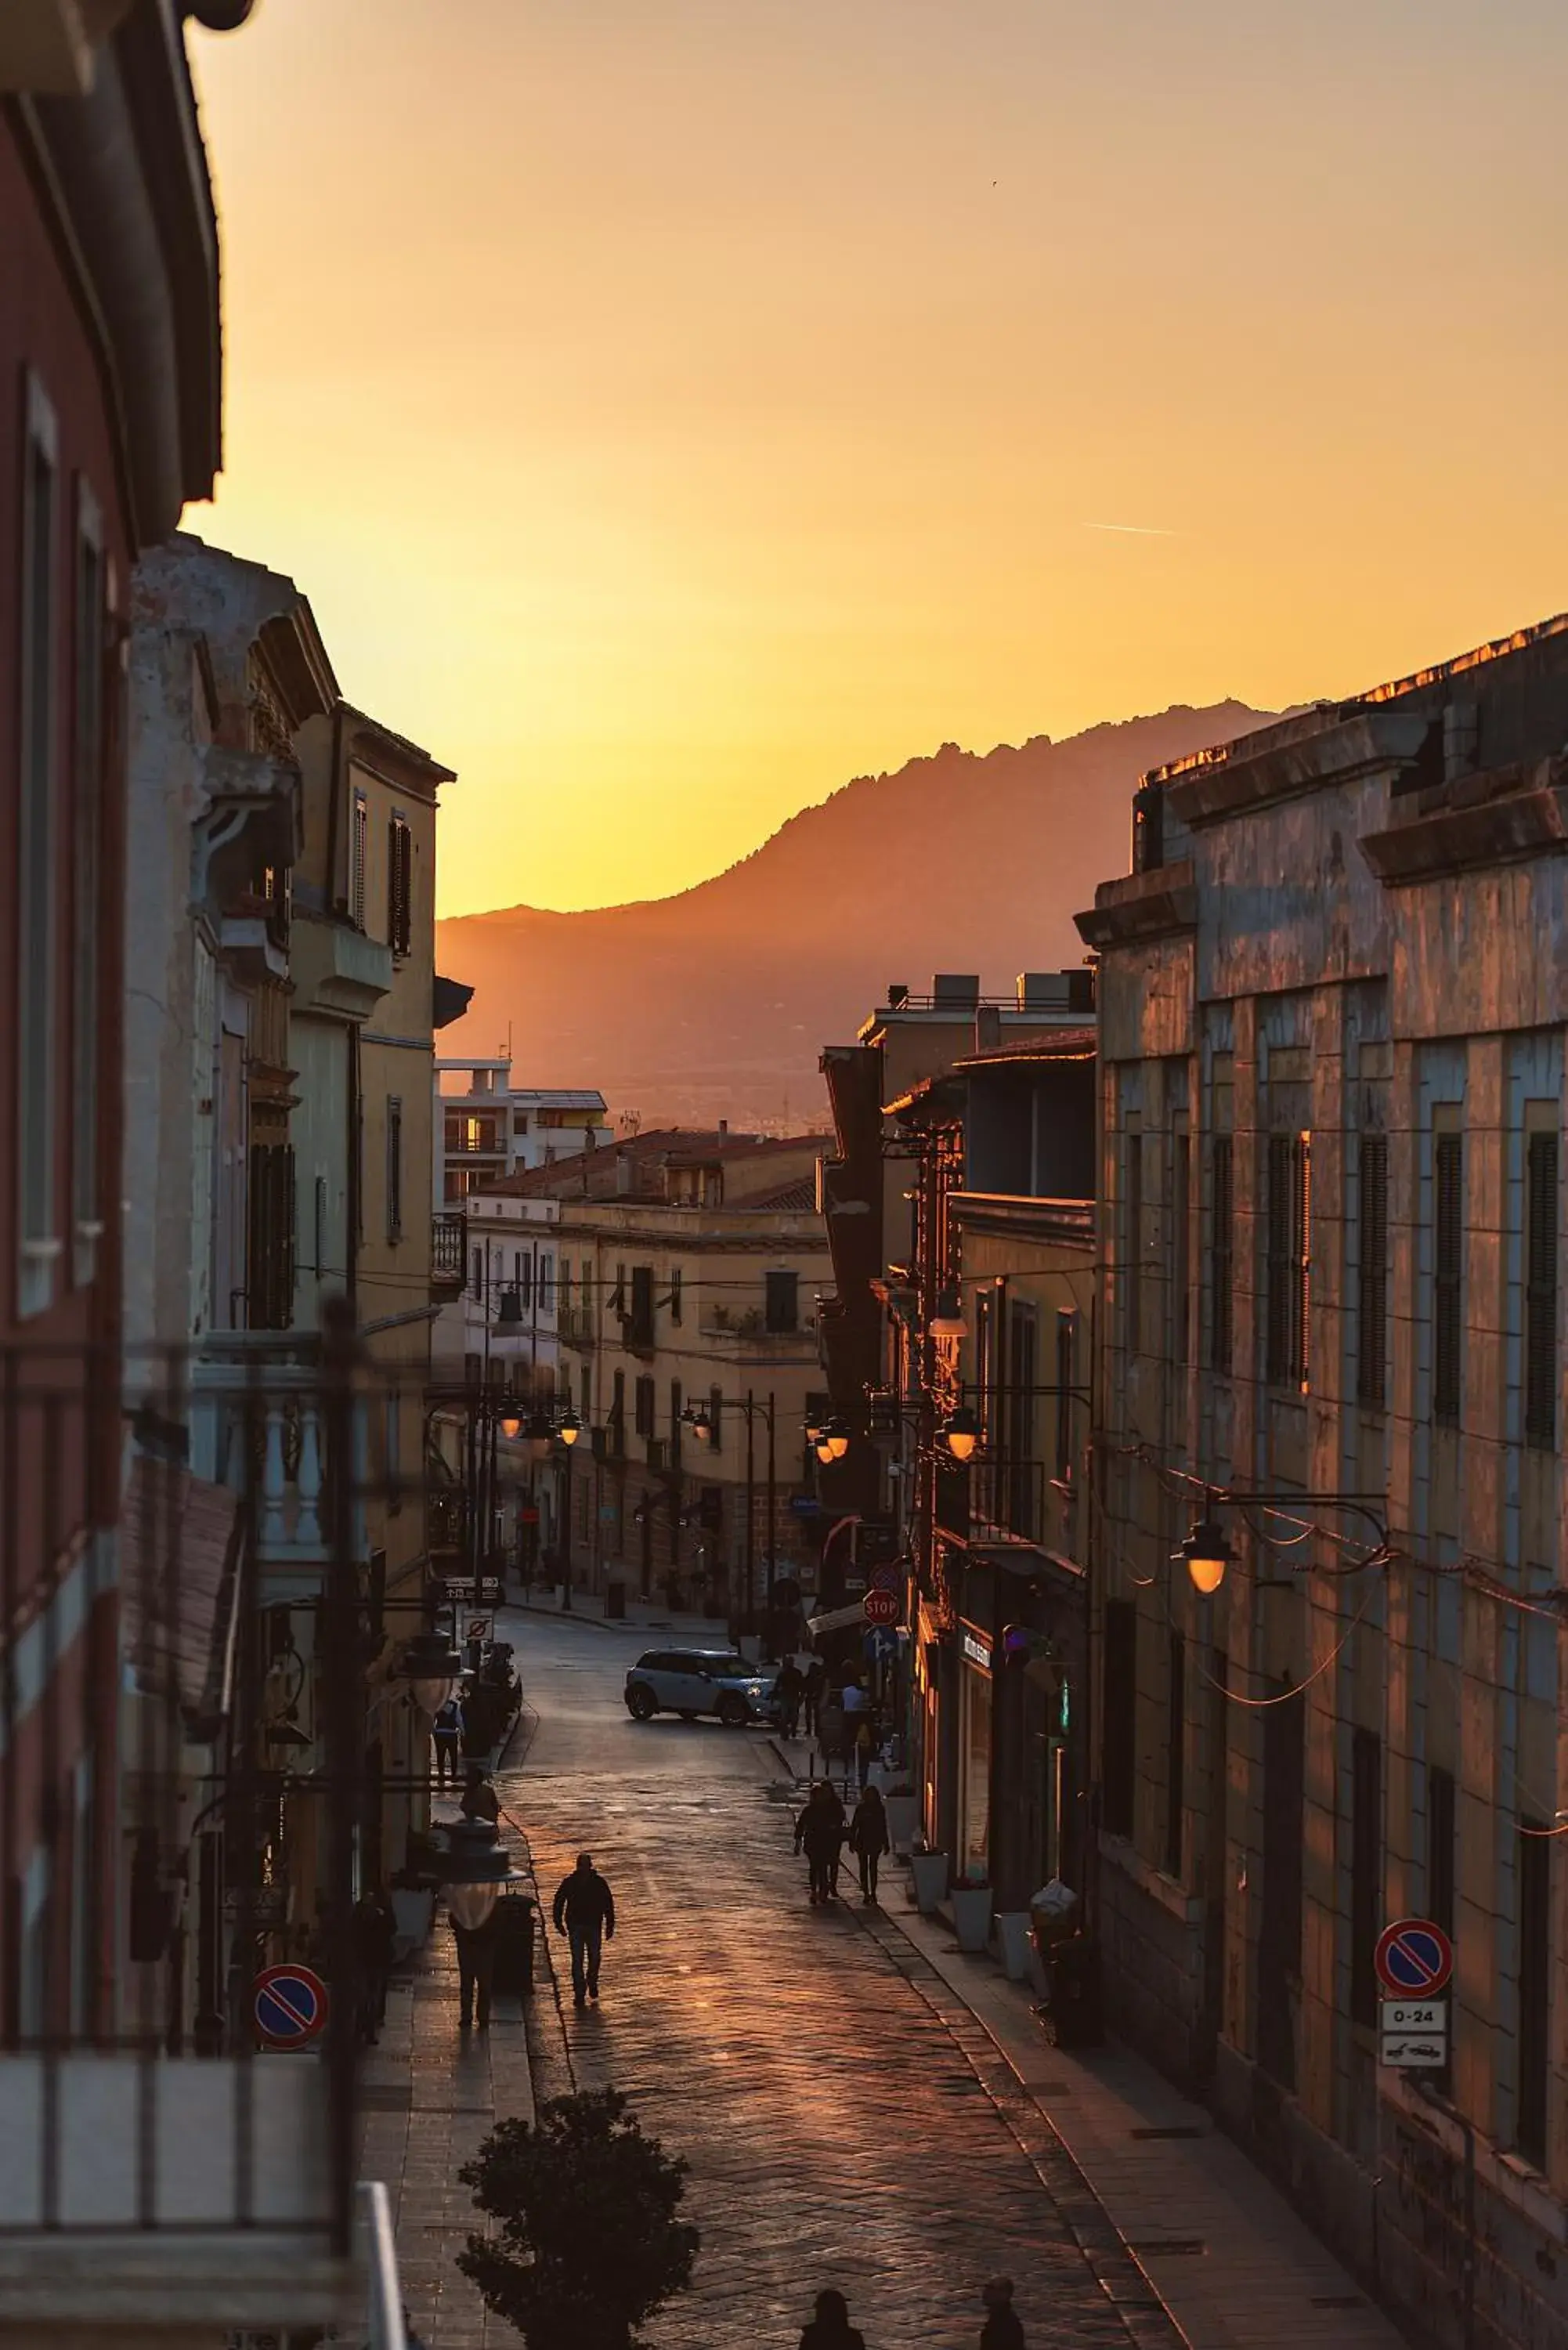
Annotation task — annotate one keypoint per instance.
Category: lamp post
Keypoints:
(1206, 1550)
(701, 1427)
(568, 1429)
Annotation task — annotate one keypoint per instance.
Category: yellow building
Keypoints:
(687, 1307)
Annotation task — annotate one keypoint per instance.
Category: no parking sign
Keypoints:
(290, 2004)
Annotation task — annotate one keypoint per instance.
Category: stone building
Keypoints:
(1334, 995)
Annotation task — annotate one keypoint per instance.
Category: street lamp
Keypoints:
(700, 1425)
(571, 1427)
(833, 1443)
(510, 1420)
(430, 1664)
(1206, 1554)
(475, 1868)
(538, 1435)
(961, 1434)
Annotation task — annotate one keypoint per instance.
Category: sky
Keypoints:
(675, 408)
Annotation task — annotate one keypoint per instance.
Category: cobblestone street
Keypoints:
(838, 2130)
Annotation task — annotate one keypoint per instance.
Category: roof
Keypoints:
(559, 1096)
(1307, 723)
(414, 752)
(1061, 1044)
(798, 1198)
(596, 1174)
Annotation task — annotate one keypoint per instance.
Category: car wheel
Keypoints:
(732, 1710)
(641, 1704)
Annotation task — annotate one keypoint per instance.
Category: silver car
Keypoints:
(689, 1681)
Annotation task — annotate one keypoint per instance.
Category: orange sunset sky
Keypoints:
(673, 407)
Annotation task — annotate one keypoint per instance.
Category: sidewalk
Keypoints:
(1222, 2249)
(429, 2094)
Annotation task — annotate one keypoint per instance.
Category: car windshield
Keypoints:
(725, 1669)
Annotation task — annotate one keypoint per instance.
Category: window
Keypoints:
(394, 1168)
(89, 655)
(1290, 1258)
(1181, 1200)
(643, 1422)
(400, 885)
(1534, 1881)
(618, 1416)
(1175, 1755)
(639, 1328)
(546, 1281)
(358, 838)
(476, 1281)
(1222, 1230)
(1066, 1357)
(1447, 1274)
(270, 1275)
(523, 1277)
(676, 1308)
(677, 1404)
(393, 1440)
(35, 866)
(1366, 1872)
(1440, 1849)
(781, 1313)
(565, 1291)
(1372, 1275)
(1541, 1292)
(1133, 1251)
(1119, 1747)
(716, 1419)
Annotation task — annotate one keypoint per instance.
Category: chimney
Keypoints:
(723, 1129)
(898, 995)
(988, 1027)
(623, 1174)
(956, 990)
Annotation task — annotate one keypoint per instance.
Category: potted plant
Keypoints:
(929, 1870)
(902, 1807)
(588, 2246)
(972, 1911)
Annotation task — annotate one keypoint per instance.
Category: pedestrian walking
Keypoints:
(446, 1736)
(868, 1838)
(789, 1689)
(819, 1833)
(832, 1738)
(816, 1689)
(585, 1912)
(476, 1968)
(830, 2328)
(479, 1800)
(1002, 2329)
(374, 1933)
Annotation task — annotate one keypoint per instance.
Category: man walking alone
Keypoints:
(584, 1913)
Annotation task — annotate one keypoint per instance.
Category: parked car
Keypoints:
(689, 1681)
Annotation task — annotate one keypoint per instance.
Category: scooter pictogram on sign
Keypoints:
(1414, 1959)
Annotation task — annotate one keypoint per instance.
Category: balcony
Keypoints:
(750, 1327)
(336, 967)
(448, 1255)
(183, 2196)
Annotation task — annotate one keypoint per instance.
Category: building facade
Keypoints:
(1332, 1099)
(488, 1127)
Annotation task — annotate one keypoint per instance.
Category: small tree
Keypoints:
(589, 2246)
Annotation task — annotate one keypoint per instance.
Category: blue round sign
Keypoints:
(1414, 1958)
(290, 2005)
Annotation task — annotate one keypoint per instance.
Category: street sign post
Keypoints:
(881, 1645)
(290, 2005)
(1414, 1959)
(1413, 2033)
(882, 1607)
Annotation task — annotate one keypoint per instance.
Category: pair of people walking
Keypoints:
(822, 1831)
(830, 2328)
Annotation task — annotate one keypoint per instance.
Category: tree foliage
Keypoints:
(588, 2245)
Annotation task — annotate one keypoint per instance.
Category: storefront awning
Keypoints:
(179, 1561)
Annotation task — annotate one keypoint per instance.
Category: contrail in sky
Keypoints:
(1134, 529)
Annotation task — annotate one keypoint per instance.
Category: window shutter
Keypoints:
(1541, 1292)
(1278, 1266)
(1372, 1279)
(1447, 1272)
(1220, 1259)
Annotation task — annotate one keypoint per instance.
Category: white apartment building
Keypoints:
(486, 1128)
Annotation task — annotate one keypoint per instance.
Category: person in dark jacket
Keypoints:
(789, 1689)
(584, 1913)
(479, 1800)
(1002, 2329)
(830, 2328)
(446, 1736)
(868, 1838)
(375, 1932)
(819, 1833)
(476, 1967)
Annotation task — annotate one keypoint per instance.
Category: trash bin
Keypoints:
(1073, 2016)
(515, 1942)
(614, 1602)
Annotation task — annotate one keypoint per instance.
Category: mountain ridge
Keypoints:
(716, 1001)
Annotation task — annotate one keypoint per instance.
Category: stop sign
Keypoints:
(882, 1607)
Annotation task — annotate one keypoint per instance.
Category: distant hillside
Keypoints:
(715, 1003)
